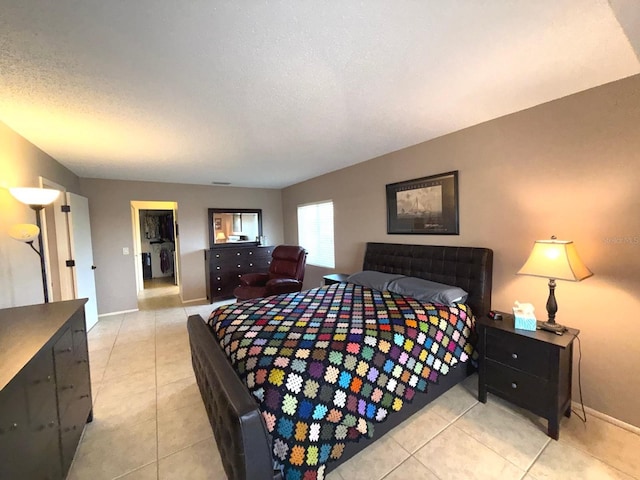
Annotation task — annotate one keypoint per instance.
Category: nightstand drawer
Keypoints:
(517, 386)
(523, 353)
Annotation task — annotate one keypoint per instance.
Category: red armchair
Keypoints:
(286, 273)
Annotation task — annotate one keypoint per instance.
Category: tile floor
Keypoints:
(149, 421)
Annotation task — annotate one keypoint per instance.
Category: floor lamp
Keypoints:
(37, 199)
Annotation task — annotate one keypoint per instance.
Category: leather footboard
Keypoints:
(238, 427)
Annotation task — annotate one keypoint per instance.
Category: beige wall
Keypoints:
(21, 165)
(569, 168)
(111, 231)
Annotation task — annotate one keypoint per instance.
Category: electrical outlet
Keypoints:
(125, 251)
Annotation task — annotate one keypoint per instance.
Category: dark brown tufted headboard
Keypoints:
(469, 268)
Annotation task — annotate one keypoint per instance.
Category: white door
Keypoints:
(82, 254)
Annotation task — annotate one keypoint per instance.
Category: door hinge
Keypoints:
(65, 208)
(71, 263)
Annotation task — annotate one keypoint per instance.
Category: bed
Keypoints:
(247, 445)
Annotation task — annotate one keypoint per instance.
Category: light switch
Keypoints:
(125, 251)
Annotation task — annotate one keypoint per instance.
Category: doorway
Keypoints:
(156, 251)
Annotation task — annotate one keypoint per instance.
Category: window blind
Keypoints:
(315, 233)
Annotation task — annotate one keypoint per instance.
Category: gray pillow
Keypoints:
(427, 292)
(372, 279)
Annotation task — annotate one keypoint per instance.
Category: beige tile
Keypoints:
(180, 428)
(178, 394)
(414, 432)
(174, 371)
(148, 472)
(197, 462)
(126, 338)
(133, 350)
(413, 469)
(126, 366)
(611, 444)
(506, 433)
(454, 454)
(333, 475)
(129, 384)
(173, 354)
(560, 461)
(453, 403)
(114, 453)
(115, 411)
(375, 461)
(101, 342)
(471, 384)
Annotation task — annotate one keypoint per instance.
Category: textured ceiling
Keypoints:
(269, 93)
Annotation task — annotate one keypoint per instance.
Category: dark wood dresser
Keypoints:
(225, 264)
(45, 388)
(531, 369)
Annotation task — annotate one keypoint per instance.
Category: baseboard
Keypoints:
(607, 418)
(117, 313)
(194, 300)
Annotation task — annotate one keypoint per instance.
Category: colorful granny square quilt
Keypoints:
(327, 364)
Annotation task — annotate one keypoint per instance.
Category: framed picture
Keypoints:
(426, 206)
(218, 223)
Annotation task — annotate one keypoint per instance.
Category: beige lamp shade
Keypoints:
(557, 259)
(221, 236)
(35, 196)
(25, 232)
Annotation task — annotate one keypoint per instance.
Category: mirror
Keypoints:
(234, 225)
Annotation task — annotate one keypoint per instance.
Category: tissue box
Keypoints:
(523, 322)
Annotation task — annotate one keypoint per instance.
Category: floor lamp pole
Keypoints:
(45, 289)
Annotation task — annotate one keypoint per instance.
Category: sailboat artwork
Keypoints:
(423, 205)
(427, 205)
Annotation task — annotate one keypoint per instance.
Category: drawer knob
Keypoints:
(238, 253)
(52, 423)
(218, 268)
(514, 356)
(250, 253)
(238, 266)
(251, 264)
(217, 255)
(14, 426)
(514, 385)
(218, 278)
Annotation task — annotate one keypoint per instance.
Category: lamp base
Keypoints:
(552, 327)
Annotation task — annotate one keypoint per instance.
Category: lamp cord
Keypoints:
(584, 413)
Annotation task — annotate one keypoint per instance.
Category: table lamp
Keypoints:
(221, 237)
(556, 260)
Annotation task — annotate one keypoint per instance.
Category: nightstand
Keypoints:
(335, 278)
(529, 369)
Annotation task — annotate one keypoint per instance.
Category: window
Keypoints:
(315, 233)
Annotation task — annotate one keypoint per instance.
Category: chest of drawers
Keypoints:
(225, 265)
(530, 369)
(45, 389)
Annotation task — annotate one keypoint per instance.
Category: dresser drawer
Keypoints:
(516, 386)
(519, 352)
(63, 357)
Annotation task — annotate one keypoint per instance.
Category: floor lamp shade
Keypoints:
(24, 232)
(35, 196)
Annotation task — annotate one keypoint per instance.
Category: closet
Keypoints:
(157, 243)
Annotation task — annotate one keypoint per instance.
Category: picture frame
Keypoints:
(218, 223)
(424, 206)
